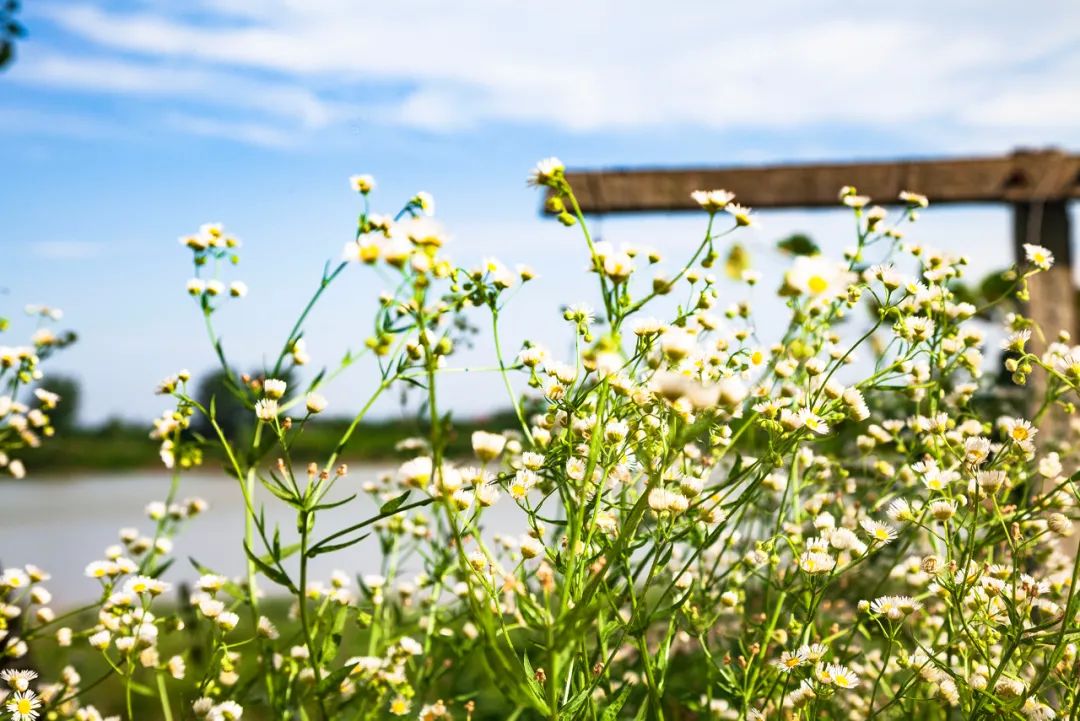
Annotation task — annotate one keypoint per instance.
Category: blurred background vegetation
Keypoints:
(118, 445)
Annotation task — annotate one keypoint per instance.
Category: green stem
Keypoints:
(163, 693)
(323, 285)
(304, 519)
(506, 378)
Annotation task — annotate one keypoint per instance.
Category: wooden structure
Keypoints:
(1037, 184)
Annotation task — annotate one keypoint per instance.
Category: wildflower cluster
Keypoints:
(839, 519)
(212, 249)
(25, 401)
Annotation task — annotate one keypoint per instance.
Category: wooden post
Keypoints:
(1052, 303)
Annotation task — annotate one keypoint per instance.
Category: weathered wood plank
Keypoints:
(1052, 303)
(1023, 176)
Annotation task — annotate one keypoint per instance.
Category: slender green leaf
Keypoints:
(320, 549)
(393, 504)
(333, 504)
(274, 574)
(612, 711)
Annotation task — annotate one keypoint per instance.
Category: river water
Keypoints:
(61, 524)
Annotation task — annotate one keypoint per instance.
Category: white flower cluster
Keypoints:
(834, 517)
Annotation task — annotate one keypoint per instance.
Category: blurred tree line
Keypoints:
(118, 444)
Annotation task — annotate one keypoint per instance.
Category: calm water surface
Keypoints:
(63, 524)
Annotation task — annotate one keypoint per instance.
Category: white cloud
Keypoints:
(172, 80)
(249, 133)
(33, 121)
(1032, 107)
(65, 249)
(602, 65)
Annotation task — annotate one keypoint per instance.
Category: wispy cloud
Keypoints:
(42, 122)
(626, 65)
(249, 133)
(163, 79)
(65, 249)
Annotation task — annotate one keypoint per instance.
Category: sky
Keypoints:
(128, 124)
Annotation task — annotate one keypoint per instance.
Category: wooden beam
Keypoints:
(1024, 176)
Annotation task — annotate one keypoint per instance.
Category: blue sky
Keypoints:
(130, 123)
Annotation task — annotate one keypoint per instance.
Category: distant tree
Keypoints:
(64, 416)
(231, 412)
(10, 30)
(798, 244)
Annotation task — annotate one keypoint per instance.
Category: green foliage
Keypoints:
(798, 244)
(10, 31)
(66, 413)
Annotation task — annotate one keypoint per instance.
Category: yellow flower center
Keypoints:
(817, 284)
(23, 706)
(757, 357)
(1020, 433)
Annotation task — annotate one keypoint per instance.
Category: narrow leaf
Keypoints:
(393, 504)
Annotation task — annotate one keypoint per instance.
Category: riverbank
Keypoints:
(122, 446)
